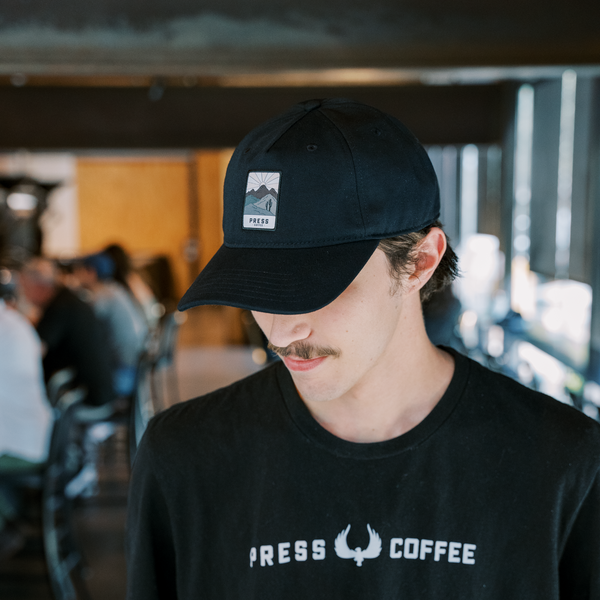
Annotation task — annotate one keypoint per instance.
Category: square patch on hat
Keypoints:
(262, 199)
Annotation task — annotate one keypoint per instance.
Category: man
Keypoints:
(123, 321)
(70, 332)
(25, 414)
(369, 463)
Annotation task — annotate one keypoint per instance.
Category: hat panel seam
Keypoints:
(393, 132)
(247, 143)
(356, 188)
(376, 114)
(282, 133)
(421, 153)
(407, 133)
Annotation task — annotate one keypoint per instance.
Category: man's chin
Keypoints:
(313, 391)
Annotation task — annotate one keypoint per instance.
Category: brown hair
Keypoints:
(403, 255)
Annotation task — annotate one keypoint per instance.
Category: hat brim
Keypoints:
(282, 281)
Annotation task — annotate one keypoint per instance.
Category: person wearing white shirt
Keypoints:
(25, 413)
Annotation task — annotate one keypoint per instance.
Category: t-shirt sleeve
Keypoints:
(149, 542)
(580, 561)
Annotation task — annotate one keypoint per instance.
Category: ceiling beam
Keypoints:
(93, 118)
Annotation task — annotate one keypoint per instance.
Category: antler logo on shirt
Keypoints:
(373, 550)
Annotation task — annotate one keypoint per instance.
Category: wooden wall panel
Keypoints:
(141, 204)
(144, 204)
(211, 167)
(221, 324)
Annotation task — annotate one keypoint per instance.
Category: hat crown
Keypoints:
(347, 172)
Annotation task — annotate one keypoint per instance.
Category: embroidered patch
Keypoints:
(262, 198)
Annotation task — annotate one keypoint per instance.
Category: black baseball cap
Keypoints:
(308, 196)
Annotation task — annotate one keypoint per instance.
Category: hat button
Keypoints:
(311, 104)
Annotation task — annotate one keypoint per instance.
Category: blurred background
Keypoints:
(119, 118)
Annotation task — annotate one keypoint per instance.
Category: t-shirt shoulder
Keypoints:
(532, 413)
(249, 401)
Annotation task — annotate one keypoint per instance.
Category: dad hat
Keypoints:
(308, 195)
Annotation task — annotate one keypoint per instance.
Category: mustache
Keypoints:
(304, 350)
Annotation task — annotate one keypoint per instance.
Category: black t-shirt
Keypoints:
(241, 494)
(74, 338)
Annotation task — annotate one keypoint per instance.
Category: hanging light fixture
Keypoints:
(22, 203)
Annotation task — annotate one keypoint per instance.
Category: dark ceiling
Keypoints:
(68, 117)
(228, 36)
(190, 73)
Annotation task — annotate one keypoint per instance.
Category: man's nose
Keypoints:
(286, 329)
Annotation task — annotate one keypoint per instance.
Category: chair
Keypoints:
(167, 337)
(60, 382)
(163, 357)
(143, 406)
(62, 555)
(149, 397)
(132, 412)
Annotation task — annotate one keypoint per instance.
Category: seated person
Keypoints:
(25, 414)
(139, 291)
(125, 323)
(71, 334)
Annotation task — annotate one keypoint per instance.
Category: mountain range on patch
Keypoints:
(261, 192)
(261, 202)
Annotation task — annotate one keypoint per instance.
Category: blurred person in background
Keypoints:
(125, 324)
(25, 414)
(134, 284)
(71, 334)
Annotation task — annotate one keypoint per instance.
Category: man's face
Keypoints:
(86, 277)
(343, 348)
(37, 292)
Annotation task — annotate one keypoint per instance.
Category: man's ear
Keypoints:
(430, 251)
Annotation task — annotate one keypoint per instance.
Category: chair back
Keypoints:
(142, 404)
(64, 414)
(167, 338)
(61, 548)
(60, 382)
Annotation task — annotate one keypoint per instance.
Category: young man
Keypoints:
(369, 463)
